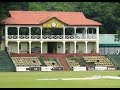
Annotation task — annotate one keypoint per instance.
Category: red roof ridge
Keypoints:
(45, 19)
(46, 11)
(93, 21)
(39, 17)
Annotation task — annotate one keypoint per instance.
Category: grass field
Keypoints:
(29, 79)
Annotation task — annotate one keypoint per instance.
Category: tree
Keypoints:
(105, 12)
(5, 7)
(51, 6)
(117, 36)
(116, 13)
(108, 13)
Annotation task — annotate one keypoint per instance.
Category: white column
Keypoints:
(29, 32)
(18, 51)
(6, 43)
(74, 32)
(64, 33)
(86, 46)
(18, 31)
(64, 49)
(86, 32)
(6, 36)
(41, 42)
(75, 46)
(41, 32)
(97, 40)
(30, 47)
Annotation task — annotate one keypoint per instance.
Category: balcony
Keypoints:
(51, 37)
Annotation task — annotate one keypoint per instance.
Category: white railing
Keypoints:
(23, 36)
(35, 36)
(51, 37)
(12, 36)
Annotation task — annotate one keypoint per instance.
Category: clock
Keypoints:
(54, 24)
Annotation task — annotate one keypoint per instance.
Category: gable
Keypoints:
(53, 23)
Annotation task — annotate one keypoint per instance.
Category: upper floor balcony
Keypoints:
(52, 37)
(51, 34)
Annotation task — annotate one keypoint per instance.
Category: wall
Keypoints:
(35, 44)
(71, 47)
(24, 47)
(12, 47)
(44, 49)
(59, 47)
(81, 47)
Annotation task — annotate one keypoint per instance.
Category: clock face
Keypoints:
(54, 24)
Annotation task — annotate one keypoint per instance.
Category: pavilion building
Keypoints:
(51, 32)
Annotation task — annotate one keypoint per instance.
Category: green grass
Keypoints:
(28, 79)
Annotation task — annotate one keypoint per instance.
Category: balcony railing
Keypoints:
(52, 37)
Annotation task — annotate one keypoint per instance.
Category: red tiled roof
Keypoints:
(39, 17)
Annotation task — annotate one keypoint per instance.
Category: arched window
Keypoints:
(35, 31)
(69, 31)
(91, 30)
(24, 31)
(80, 30)
(12, 30)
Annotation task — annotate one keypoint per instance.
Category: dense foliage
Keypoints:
(108, 13)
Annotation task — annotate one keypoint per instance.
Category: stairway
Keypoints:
(64, 63)
(61, 58)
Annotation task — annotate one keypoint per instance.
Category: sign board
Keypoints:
(79, 68)
(22, 69)
(100, 68)
(46, 68)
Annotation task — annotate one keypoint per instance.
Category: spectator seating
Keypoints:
(26, 61)
(98, 60)
(72, 62)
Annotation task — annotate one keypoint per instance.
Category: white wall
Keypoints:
(91, 46)
(81, 47)
(71, 47)
(24, 46)
(12, 47)
(44, 49)
(35, 44)
(59, 49)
